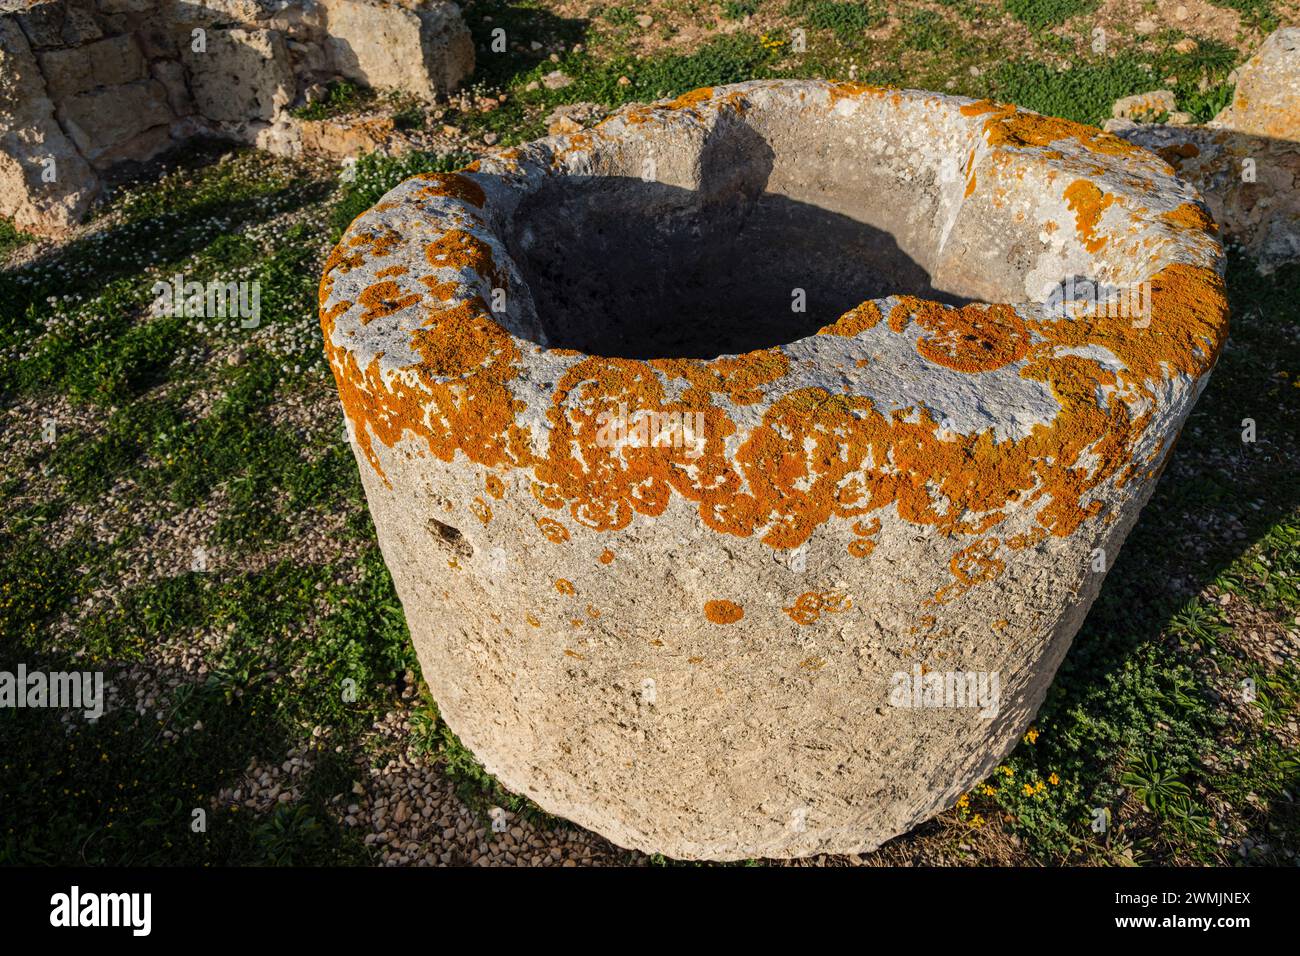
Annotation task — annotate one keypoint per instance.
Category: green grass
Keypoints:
(11, 239)
(1259, 14)
(1039, 14)
(846, 19)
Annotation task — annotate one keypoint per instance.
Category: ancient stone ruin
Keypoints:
(728, 518)
(88, 85)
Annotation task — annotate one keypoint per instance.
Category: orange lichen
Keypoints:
(1007, 126)
(455, 185)
(863, 546)
(554, 531)
(974, 338)
(383, 299)
(565, 587)
(1088, 202)
(481, 510)
(855, 321)
(811, 605)
(494, 486)
(606, 556)
(723, 612)
(1191, 216)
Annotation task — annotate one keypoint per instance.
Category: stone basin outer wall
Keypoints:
(706, 672)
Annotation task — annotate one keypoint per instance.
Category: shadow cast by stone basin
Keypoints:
(636, 268)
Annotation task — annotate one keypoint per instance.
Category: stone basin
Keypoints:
(728, 518)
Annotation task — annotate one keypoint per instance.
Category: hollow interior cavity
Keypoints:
(776, 233)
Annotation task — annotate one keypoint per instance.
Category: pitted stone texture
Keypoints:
(1266, 101)
(1250, 183)
(691, 648)
(417, 45)
(45, 183)
(92, 84)
(241, 75)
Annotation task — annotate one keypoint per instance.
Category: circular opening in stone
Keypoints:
(633, 267)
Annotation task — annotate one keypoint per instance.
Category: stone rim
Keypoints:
(517, 386)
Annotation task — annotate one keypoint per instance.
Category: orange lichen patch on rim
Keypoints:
(973, 338)
(565, 587)
(721, 611)
(453, 185)
(384, 299)
(693, 98)
(1190, 216)
(849, 90)
(1088, 202)
(553, 530)
(1011, 127)
(458, 249)
(606, 557)
(811, 605)
(741, 378)
(856, 320)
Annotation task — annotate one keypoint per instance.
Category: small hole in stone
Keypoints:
(450, 538)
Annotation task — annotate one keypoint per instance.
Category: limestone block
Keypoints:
(243, 75)
(1266, 101)
(172, 76)
(1144, 105)
(339, 138)
(108, 62)
(108, 124)
(420, 46)
(45, 185)
(746, 464)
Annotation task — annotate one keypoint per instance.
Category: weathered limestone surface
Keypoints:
(91, 84)
(1246, 161)
(1266, 101)
(406, 44)
(45, 183)
(697, 641)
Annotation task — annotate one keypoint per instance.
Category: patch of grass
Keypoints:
(341, 96)
(1040, 14)
(1259, 14)
(11, 239)
(1084, 93)
(739, 9)
(928, 30)
(844, 18)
